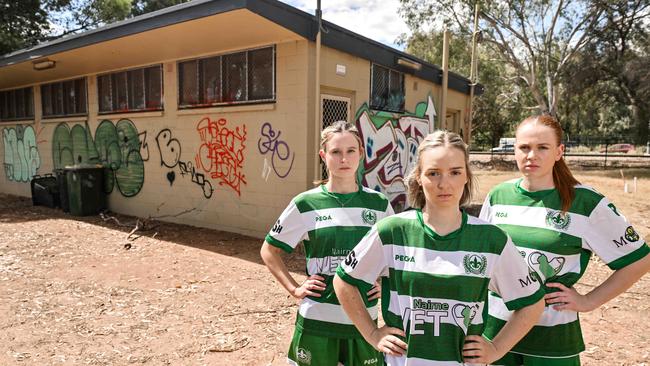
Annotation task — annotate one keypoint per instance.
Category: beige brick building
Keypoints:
(210, 109)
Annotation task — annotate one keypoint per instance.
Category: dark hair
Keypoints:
(438, 138)
(563, 180)
(338, 127)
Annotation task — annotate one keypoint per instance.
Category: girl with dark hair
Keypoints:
(437, 264)
(330, 220)
(557, 224)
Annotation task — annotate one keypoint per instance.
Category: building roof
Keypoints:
(295, 20)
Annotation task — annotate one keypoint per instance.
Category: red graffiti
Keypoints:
(222, 152)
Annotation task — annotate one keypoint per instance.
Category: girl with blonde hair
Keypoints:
(330, 220)
(437, 264)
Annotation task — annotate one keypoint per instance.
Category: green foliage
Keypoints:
(140, 7)
(22, 24)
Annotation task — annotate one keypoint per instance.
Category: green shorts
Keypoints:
(313, 350)
(516, 359)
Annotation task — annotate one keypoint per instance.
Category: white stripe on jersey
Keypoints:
(434, 262)
(536, 217)
(402, 306)
(338, 216)
(414, 361)
(550, 317)
(312, 310)
(326, 265)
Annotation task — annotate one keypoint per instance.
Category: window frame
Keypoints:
(390, 71)
(63, 87)
(201, 97)
(112, 79)
(28, 107)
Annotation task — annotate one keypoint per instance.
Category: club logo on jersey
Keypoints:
(547, 268)
(369, 217)
(277, 228)
(303, 355)
(475, 263)
(463, 315)
(558, 219)
(611, 205)
(630, 234)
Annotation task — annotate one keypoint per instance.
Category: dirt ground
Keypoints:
(71, 293)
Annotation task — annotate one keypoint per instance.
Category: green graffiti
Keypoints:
(390, 142)
(117, 147)
(21, 158)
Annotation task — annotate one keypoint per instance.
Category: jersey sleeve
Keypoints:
(513, 280)
(365, 262)
(289, 230)
(485, 210)
(612, 237)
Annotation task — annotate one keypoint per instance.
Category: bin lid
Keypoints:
(83, 166)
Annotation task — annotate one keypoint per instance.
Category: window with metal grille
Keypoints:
(16, 104)
(333, 109)
(131, 90)
(234, 78)
(64, 98)
(386, 89)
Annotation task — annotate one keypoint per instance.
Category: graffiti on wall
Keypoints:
(390, 147)
(170, 154)
(119, 147)
(270, 143)
(21, 158)
(222, 152)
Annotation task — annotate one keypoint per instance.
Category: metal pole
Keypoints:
(445, 78)
(473, 75)
(317, 118)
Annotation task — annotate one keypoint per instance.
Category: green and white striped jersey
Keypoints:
(329, 225)
(435, 287)
(557, 248)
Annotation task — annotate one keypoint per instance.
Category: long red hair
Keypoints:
(563, 180)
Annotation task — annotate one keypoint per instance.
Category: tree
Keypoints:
(499, 108)
(140, 7)
(535, 38)
(74, 16)
(22, 24)
(614, 68)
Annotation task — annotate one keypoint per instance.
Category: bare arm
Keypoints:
(272, 258)
(383, 339)
(479, 350)
(614, 285)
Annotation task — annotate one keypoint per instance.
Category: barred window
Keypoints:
(386, 89)
(16, 104)
(235, 78)
(64, 98)
(131, 90)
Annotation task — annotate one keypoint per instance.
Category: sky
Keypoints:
(375, 19)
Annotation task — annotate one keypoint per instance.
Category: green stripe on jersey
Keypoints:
(566, 339)
(326, 329)
(451, 287)
(333, 240)
(328, 296)
(319, 199)
(545, 239)
(406, 230)
(630, 258)
(277, 243)
(511, 193)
